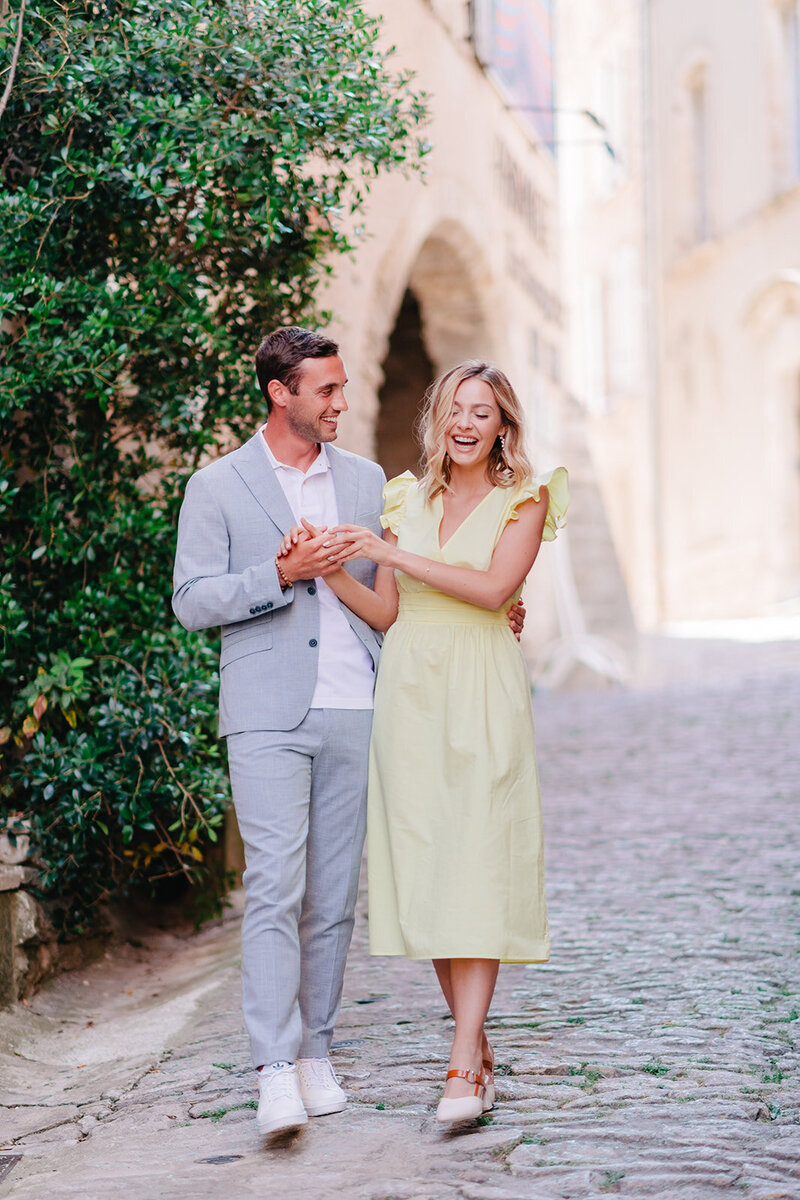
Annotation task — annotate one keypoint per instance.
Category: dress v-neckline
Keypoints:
(457, 529)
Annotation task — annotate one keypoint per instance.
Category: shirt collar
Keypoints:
(320, 465)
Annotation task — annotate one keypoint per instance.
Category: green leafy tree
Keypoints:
(175, 181)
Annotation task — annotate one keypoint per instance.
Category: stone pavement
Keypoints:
(655, 1056)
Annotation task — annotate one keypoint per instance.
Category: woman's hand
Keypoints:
(296, 534)
(516, 618)
(359, 542)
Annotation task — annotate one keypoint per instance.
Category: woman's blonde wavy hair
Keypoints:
(508, 465)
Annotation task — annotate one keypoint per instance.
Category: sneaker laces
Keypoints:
(320, 1071)
(281, 1083)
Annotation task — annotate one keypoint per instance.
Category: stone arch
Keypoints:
(452, 281)
(776, 299)
(434, 318)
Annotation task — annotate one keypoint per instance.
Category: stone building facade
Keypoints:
(464, 262)
(682, 279)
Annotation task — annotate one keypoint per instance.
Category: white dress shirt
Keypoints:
(345, 676)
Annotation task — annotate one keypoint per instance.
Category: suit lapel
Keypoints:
(251, 464)
(345, 484)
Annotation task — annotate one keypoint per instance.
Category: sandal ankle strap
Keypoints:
(470, 1076)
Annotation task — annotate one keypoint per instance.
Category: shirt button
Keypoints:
(313, 642)
(312, 591)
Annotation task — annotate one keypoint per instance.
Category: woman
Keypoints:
(455, 856)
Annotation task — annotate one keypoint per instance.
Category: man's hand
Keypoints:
(516, 618)
(307, 552)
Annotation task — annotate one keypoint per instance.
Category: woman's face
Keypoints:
(474, 423)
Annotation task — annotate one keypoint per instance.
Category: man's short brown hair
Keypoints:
(280, 354)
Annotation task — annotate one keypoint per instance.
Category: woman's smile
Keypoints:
(469, 446)
(474, 423)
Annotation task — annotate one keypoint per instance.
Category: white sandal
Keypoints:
(463, 1108)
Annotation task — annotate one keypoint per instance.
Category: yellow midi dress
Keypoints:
(455, 847)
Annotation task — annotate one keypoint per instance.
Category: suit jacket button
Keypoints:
(312, 591)
(252, 611)
(269, 604)
(313, 642)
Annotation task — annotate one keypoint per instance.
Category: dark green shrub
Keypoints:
(172, 184)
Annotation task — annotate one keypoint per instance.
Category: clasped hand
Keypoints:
(307, 551)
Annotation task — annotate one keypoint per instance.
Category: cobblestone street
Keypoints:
(656, 1055)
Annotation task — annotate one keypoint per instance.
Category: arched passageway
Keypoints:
(407, 372)
(440, 322)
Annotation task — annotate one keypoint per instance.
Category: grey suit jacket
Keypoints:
(233, 516)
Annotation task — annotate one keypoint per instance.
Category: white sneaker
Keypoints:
(319, 1087)
(280, 1105)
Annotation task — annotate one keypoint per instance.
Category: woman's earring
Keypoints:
(502, 463)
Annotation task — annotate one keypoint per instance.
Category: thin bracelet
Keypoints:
(284, 582)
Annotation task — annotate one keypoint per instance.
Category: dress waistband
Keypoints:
(437, 608)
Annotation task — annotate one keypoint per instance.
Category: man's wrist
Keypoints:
(283, 578)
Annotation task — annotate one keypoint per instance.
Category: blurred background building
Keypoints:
(611, 212)
(466, 263)
(681, 237)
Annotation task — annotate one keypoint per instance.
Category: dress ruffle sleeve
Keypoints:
(557, 484)
(394, 500)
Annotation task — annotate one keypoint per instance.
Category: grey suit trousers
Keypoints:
(300, 800)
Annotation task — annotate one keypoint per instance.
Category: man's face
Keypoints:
(312, 412)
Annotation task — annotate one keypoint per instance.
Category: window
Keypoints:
(783, 99)
(610, 87)
(624, 340)
(698, 117)
(790, 31)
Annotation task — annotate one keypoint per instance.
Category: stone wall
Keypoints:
(682, 286)
(24, 956)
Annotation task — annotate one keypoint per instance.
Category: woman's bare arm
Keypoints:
(513, 558)
(376, 605)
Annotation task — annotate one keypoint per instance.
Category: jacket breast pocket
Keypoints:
(370, 518)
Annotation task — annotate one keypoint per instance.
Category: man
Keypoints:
(296, 680)
(297, 671)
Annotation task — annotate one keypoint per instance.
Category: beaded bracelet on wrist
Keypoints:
(284, 582)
